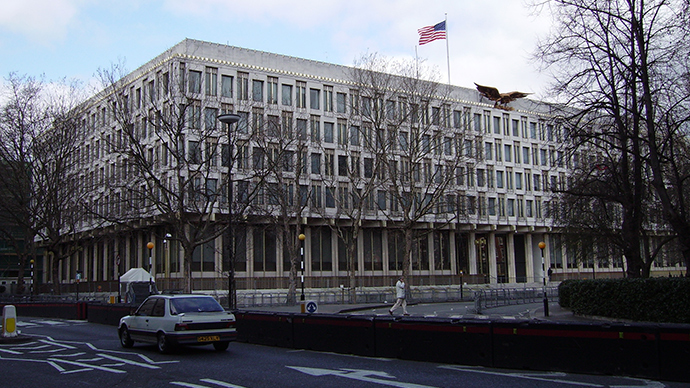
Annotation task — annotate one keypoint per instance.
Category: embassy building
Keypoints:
(323, 150)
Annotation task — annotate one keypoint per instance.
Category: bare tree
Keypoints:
(401, 166)
(42, 203)
(621, 64)
(273, 188)
(172, 156)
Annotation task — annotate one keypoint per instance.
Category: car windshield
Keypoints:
(194, 305)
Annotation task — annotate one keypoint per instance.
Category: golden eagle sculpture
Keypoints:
(501, 99)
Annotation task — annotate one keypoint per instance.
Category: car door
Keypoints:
(139, 324)
(157, 320)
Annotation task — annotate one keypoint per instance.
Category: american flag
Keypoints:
(432, 33)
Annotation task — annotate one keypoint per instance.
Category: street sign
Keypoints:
(311, 307)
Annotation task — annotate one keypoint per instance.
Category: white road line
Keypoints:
(10, 351)
(190, 385)
(221, 383)
(47, 351)
(130, 362)
(548, 377)
(87, 365)
(58, 344)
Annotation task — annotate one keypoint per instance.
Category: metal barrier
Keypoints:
(511, 296)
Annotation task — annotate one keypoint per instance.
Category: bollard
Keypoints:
(9, 321)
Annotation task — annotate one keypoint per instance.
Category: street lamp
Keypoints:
(229, 119)
(301, 238)
(32, 278)
(542, 245)
(481, 243)
(461, 281)
(150, 247)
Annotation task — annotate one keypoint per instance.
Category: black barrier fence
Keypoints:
(655, 351)
(108, 314)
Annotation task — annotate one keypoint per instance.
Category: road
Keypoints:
(65, 353)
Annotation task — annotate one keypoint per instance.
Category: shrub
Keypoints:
(652, 300)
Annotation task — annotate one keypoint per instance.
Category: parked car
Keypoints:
(172, 320)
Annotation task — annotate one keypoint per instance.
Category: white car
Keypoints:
(171, 320)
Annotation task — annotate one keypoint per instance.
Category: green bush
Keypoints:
(650, 300)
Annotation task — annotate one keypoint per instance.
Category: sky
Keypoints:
(490, 42)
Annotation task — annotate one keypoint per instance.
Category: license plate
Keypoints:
(208, 338)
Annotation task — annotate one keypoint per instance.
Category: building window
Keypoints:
(314, 95)
(286, 95)
(301, 94)
(211, 81)
(329, 163)
(354, 135)
(194, 81)
(264, 249)
(301, 127)
(316, 163)
(321, 249)
(328, 132)
(327, 99)
(204, 257)
(373, 249)
(315, 124)
(258, 90)
(330, 197)
(194, 152)
(342, 165)
(272, 90)
(242, 86)
(226, 86)
(342, 132)
(511, 207)
(341, 98)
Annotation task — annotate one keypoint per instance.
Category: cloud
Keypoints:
(41, 21)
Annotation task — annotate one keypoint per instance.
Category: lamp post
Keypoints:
(150, 247)
(542, 245)
(229, 119)
(301, 238)
(32, 278)
(481, 243)
(461, 282)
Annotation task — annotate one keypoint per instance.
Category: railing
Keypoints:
(511, 296)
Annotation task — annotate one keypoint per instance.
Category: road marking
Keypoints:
(359, 374)
(190, 385)
(10, 351)
(221, 383)
(547, 376)
(129, 361)
(87, 366)
(210, 381)
(58, 344)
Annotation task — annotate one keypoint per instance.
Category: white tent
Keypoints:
(136, 284)
(136, 275)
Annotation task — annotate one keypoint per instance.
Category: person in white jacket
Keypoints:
(400, 295)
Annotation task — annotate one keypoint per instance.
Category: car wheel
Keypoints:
(163, 344)
(125, 339)
(221, 346)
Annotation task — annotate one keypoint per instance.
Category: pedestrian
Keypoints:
(400, 295)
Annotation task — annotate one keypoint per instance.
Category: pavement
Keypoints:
(456, 310)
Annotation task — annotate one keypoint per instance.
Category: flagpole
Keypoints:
(447, 50)
(416, 62)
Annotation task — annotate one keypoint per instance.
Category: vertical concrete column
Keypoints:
(472, 254)
(530, 268)
(491, 251)
(510, 251)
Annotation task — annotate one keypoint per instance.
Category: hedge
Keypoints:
(648, 300)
